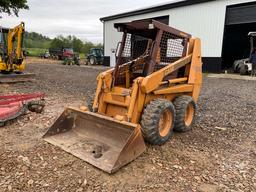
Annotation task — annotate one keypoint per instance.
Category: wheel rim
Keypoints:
(189, 116)
(91, 61)
(165, 123)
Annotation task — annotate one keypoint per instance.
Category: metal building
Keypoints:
(222, 25)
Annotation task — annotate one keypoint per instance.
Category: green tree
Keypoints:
(87, 46)
(57, 42)
(99, 45)
(36, 40)
(77, 44)
(12, 6)
(73, 42)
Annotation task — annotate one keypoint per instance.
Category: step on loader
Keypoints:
(151, 92)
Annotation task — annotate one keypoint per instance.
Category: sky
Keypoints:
(72, 17)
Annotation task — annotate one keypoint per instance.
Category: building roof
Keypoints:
(4, 30)
(171, 5)
(142, 29)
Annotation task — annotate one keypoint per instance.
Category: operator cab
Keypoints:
(3, 42)
(97, 52)
(148, 46)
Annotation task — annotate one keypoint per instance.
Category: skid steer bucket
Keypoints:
(99, 140)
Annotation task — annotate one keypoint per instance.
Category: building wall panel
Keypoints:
(205, 20)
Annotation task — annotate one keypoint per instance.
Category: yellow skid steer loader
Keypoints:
(152, 91)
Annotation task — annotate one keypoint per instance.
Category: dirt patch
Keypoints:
(37, 60)
(219, 154)
(233, 76)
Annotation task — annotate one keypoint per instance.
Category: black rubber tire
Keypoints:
(89, 102)
(181, 104)
(235, 66)
(36, 106)
(92, 61)
(150, 121)
(244, 70)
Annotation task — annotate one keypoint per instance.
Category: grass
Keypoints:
(82, 55)
(35, 52)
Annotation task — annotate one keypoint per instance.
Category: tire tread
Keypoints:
(150, 121)
(181, 104)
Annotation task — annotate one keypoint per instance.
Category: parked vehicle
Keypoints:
(75, 60)
(95, 56)
(244, 66)
(61, 53)
(45, 55)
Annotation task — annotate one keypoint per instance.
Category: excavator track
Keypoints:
(13, 77)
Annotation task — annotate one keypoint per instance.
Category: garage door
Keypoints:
(163, 19)
(241, 14)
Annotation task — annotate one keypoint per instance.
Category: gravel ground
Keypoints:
(218, 155)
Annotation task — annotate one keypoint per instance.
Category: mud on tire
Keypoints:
(90, 100)
(158, 121)
(185, 107)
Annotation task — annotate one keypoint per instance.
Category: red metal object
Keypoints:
(7, 111)
(7, 99)
(12, 106)
(68, 53)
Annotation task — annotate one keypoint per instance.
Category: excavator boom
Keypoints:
(16, 33)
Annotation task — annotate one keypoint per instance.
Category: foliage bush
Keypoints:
(73, 42)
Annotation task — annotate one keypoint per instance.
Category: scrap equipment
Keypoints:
(151, 92)
(13, 106)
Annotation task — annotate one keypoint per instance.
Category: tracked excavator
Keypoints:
(12, 60)
(152, 91)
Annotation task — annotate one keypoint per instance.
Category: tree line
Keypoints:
(73, 42)
(36, 40)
